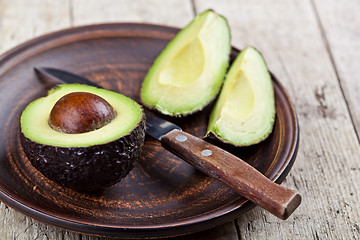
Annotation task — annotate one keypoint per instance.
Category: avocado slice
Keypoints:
(188, 73)
(85, 161)
(244, 113)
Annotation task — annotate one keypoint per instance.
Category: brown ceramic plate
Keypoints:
(163, 195)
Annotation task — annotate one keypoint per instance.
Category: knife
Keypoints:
(212, 160)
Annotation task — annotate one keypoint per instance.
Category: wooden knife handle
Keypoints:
(234, 172)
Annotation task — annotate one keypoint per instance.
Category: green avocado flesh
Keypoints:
(188, 73)
(83, 161)
(244, 113)
(35, 126)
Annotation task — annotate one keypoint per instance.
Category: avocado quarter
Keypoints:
(244, 113)
(85, 161)
(188, 74)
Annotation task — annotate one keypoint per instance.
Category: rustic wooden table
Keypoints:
(313, 47)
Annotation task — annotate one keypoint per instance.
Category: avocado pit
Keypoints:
(80, 112)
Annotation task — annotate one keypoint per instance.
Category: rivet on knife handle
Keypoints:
(234, 172)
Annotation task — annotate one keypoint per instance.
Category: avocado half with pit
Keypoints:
(83, 137)
(188, 73)
(244, 113)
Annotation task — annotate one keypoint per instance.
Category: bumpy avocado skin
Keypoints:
(87, 168)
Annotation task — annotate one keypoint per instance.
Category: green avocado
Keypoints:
(85, 161)
(244, 113)
(188, 73)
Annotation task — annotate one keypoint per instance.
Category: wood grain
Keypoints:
(171, 13)
(233, 172)
(21, 21)
(339, 24)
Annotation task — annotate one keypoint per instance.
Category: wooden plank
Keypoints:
(341, 26)
(23, 20)
(224, 232)
(326, 169)
(172, 13)
(14, 225)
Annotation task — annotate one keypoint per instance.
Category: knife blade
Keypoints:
(155, 127)
(210, 159)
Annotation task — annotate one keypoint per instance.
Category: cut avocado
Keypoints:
(244, 113)
(188, 73)
(85, 161)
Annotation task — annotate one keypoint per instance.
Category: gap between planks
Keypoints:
(332, 60)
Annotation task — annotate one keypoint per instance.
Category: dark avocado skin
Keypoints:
(87, 168)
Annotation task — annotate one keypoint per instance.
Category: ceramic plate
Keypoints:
(163, 195)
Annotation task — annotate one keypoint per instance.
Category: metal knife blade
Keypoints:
(155, 127)
(57, 76)
(214, 161)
